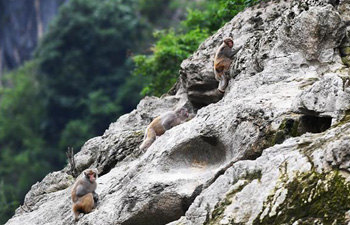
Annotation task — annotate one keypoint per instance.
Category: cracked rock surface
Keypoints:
(266, 152)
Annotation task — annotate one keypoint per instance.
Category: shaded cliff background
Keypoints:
(68, 68)
(23, 23)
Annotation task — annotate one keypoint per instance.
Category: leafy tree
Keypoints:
(154, 10)
(173, 46)
(164, 13)
(161, 68)
(6, 207)
(84, 65)
(22, 153)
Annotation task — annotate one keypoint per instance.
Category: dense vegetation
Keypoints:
(83, 64)
(80, 80)
(173, 46)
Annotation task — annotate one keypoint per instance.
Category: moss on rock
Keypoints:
(218, 212)
(346, 60)
(311, 197)
(287, 129)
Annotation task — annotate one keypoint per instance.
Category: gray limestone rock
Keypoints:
(239, 160)
(263, 192)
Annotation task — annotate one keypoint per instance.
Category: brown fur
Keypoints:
(83, 193)
(222, 62)
(157, 127)
(162, 123)
(84, 204)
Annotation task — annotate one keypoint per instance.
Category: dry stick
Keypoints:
(70, 156)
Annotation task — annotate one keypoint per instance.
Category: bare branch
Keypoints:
(70, 155)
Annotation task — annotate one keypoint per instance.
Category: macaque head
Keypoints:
(182, 113)
(90, 174)
(228, 41)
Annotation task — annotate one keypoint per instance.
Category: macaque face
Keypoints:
(229, 42)
(91, 176)
(184, 113)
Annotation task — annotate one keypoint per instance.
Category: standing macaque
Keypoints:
(83, 193)
(222, 62)
(162, 123)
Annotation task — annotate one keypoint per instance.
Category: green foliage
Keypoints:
(20, 111)
(161, 68)
(217, 14)
(153, 9)
(173, 46)
(164, 13)
(6, 207)
(21, 139)
(83, 60)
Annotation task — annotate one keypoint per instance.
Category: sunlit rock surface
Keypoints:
(273, 149)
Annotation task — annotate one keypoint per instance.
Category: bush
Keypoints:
(162, 67)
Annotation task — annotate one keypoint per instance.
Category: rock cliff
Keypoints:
(22, 23)
(273, 149)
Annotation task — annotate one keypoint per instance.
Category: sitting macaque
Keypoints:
(162, 123)
(222, 62)
(83, 193)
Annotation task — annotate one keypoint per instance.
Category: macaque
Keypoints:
(222, 62)
(162, 123)
(83, 193)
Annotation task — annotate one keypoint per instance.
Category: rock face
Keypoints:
(272, 150)
(22, 24)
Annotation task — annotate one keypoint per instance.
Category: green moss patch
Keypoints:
(312, 197)
(218, 212)
(287, 129)
(346, 60)
(346, 119)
